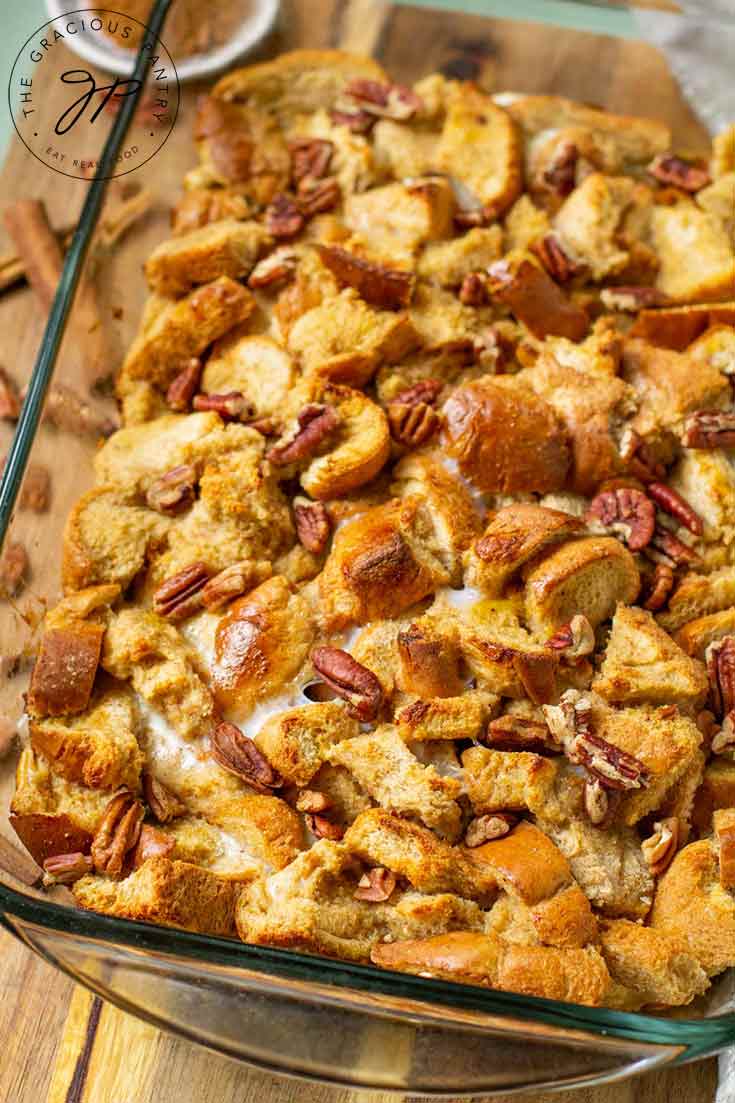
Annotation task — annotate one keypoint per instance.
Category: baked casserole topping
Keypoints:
(399, 625)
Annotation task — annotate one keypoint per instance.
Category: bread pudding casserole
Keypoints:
(399, 625)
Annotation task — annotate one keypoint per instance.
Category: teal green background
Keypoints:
(20, 18)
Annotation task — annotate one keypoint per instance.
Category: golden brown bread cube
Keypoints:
(696, 254)
(255, 365)
(589, 221)
(239, 147)
(507, 780)
(716, 791)
(678, 326)
(515, 534)
(398, 218)
(226, 248)
(357, 451)
(699, 595)
(63, 675)
(463, 717)
(658, 968)
(297, 742)
(535, 299)
(448, 262)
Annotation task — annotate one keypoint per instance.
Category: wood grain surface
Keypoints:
(60, 1044)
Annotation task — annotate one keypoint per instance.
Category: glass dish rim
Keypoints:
(699, 1037)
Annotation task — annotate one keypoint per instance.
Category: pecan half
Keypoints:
(627, 512)
(376, 283)
(323, 828)
(173, 491)
(555, 260)
(180, 595)
(724, 740)
(232, 406)
(629, 300)
(412, 425)
(573, 640)
(318, 196)
(570, 722)
(316, 424)
(720, 661)
(388, 101)
(493, 825)
(350, 680)
(64, 869)
(234, 752)
(670, 501)
(313, 526)
(310, 158)
(152, 843)
(233, 581)
(660, 847)
(14, 569)
(679, 173)
(376, 886)
(473, 291)
(426, 390)
(279, 266)
(313, 802)
(117, 834)
(283, 217)
(669, 549)
(9, 397)
(560, 176)
(36, 492)
(709, 429)
(517, 733)
(184, 386)
(164, 805)
(661, 586)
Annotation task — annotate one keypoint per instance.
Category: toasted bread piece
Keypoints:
(706, 480)
(260, 644)
(404, 149)
(699, 595)
(515, 535)
(198, 207)
(505, 438)
(227, 248)
(297, 742)
(589, 221)
(716, 791)
(171, 332)
(174, 894)
(696, 636)
(358, 450)
(448, 262)
(256, 366)
(659, 968)
(65, 669)
(723, 152)
(696, 254)
(345, 340)
(576, 975)
(462, 717)
(397, 219)
(677, 327)
(525, 223)
(499, 781)
(480, 145)
(375, 278)
(241, 148)
(383, 765)
(353, 157)
(588, 576)
(428, 664)
(719, 201)
(643, 665)
(528, 291)
(690, 905)
(506, 659)
(98, 747)
(143, 648)
(137, 454)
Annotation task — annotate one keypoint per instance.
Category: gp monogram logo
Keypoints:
(62, 110)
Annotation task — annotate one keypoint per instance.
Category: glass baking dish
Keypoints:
(281, 1010)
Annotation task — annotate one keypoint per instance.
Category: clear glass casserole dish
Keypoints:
(282, 1010)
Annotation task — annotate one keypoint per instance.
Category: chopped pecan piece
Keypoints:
(493, 825)
(313, 526)
(185, 385)
(310, 158)
(64, 869)
(173, 491)
(675, 171)
(628, 512)
(473, 291)
(312, 801)
(180, 595)
(152, 843)
(639, 460)
(233, 581)
(724, 740)
(517, 733)
(323, 828)
(412, 424)
(710, 429)
(14, 569)
(279, 266)
(661, 586)
(36, 492)
(232, 406)
(316, 424)
(241, 756)
(557, 263)
(570, 724)
(9, 397)
(670, 501)
(117, 834)
(350, 680)
(669, 549)
(629, 300)
(376, 886)
(389, 101)
(318, 196)
(573, 640)
(283, 217)
(388, 288)
(660, 847)
(164, 805)
(720, 661)
(560, 177)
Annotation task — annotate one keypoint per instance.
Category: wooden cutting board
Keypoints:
(59, 1043)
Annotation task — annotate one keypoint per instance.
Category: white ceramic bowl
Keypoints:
(112, 59)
